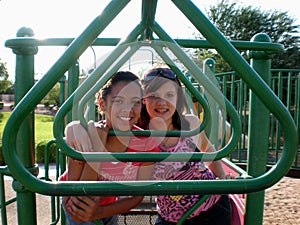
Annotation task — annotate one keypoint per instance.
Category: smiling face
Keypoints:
(122, 106)
(162, 102)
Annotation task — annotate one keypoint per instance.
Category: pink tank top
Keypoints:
(123, 171)
(171, 208)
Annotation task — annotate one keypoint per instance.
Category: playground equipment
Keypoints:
(18, 138)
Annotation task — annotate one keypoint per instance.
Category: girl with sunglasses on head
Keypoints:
(164, 108)
(120, 101)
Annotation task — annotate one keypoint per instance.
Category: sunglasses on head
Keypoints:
(161, 72)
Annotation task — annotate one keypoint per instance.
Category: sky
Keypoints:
(68, 18)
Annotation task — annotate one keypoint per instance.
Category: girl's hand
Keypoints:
(98, 135)
(83, 208)
(77, 137)
(227, 176)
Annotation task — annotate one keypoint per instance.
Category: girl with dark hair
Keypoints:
(120, 101)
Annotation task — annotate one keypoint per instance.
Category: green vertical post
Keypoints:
(209, 66)
(90, 112)
(72, 84)
(62, 90)
(258, 131)
(24, 80)
(297, 112)
(61, 157)
(73, 81)
(2, 201)
(62, 93)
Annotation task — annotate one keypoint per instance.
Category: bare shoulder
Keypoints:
(193, 120)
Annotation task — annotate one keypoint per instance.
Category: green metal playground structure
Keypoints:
(18, 136)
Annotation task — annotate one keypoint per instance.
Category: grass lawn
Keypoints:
(43, 126)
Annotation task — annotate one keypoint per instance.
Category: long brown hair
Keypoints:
(178, 120)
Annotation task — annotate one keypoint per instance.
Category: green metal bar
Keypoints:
(77, 47)
(257, 85)
(5, 171)
(236, 91)
(276, 86)
(278, 128)
(258, 135)
(60, 159)
(60, 163)
(62, 89)
(298, 105)
(166, 187)
(289, 91)
(245, 121)
(54, 218)
(210, 87)
(273, 122)
(2, 200)
(242, 173)
(73, 81)
(24, 80)
(187, 84)
(47, 154)
(148, 16)
(47, 82)
(92, 80)
(209, 70)
(90, 112)
(241, 45)
(192, 209)
(103, 79)
(186, 43)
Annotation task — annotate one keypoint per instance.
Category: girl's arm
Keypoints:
(84, 141)
(84, 209)
(87, 208)
(77, 137)
(98, 137)
(204, 145)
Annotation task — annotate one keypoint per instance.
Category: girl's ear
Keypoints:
(144, 101)
(102, 104)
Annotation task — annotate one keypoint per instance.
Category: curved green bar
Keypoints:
(257, 85)
(228, 52)
(210, 87)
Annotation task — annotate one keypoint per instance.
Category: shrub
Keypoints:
(2, 162)
(40, 152)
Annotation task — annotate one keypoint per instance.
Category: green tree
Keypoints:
(3, 71)
(5, 87)
(52, 97)
(240, 22)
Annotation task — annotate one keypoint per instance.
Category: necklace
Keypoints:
(164, 142)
